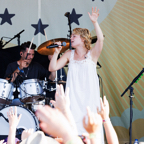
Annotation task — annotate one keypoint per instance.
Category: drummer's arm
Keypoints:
(10, 74)
(61, 62)
(13, 75)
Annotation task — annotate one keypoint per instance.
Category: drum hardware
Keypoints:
(51, 89)
(58, 82)
(35, 105)
(1, 115)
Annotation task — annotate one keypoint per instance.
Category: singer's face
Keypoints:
(76, 40)
(30, 55)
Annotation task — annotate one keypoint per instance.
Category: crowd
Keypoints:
(58, 123)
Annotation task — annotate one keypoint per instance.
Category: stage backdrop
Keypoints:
(122, 58)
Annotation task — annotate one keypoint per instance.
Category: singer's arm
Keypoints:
(52, 74)
(96, 50)
(61, 62)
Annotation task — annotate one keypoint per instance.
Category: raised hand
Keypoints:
(26, 134)
(94, 16)
(94, 122)
(62, 101)
(12, 116)
(1, 142)
(23, 64)
(104, 108)
(53, 122)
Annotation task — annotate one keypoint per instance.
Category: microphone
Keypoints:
(67, 14)
(56, 45)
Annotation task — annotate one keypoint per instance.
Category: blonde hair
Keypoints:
(84, 34)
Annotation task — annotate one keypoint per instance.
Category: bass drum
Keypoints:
(28, 120)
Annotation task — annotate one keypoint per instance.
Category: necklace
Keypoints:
(26, 73)
(83, 56)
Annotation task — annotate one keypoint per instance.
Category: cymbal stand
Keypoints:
(61, 76)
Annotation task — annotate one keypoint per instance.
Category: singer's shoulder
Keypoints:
(67, 53)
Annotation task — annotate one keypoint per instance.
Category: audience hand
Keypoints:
(12, 116)
(62, 101)
(94, 122)
(104, 108)
(87, 140)
(26, 133)
(54, 123)
(1, 142)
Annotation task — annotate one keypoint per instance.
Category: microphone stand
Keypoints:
(17, 35)
(1, 43)
(67, 14)
(18, 40)
(131, 102)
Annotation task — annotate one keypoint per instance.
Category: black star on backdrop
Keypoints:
(39, 27)
(6, 17)
(74, 17)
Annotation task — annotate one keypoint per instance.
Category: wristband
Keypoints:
(20, 70)
(92, 135)
(74, 140)
(95, 135)
(106, 120)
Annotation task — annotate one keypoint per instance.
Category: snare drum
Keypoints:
(6, 91)
(27, 121)
(31, 90)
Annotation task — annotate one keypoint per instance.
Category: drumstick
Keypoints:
(45, 35)
(30, 44)
(29, 47)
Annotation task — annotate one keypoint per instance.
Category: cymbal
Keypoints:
(94, 39)
(43, 50)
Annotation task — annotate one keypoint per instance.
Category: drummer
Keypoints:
(25, 68)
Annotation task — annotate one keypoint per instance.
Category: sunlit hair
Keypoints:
(84, 34)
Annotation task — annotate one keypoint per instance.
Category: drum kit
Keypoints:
(32, 93)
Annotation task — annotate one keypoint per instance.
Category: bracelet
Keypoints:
(74, 140)
(106, 120)
(20, 70)
(92, 135)
(95, 135)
